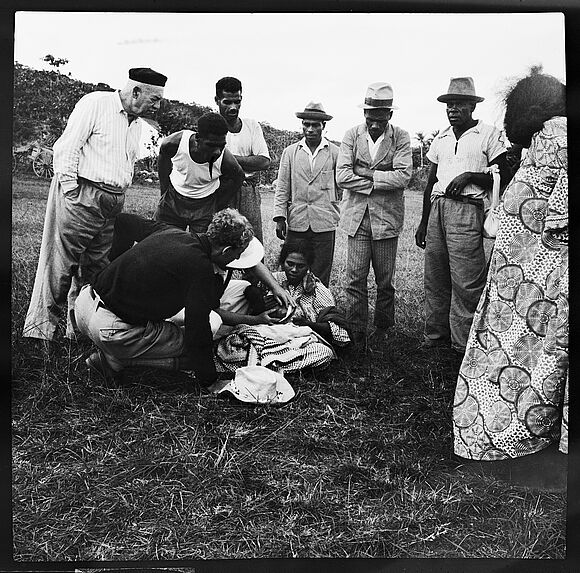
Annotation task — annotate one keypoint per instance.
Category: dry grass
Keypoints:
(358, 465)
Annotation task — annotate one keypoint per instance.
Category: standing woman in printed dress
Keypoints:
(511, 397)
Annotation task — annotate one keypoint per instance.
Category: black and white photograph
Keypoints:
(289, 286)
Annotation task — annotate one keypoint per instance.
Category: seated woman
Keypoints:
(302, 341)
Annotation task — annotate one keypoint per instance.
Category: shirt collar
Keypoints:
(389, 132)
(119, 103)
(323, 144)
(449, 130)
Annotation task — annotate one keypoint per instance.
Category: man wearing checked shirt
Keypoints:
(93, 165)
(451, 225)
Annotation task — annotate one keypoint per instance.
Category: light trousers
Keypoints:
(77, 236)
(455, 270)
(158, 344)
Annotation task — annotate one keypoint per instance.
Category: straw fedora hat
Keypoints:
(460, 88)
(257, 385)
(379, 96)
(314, 110)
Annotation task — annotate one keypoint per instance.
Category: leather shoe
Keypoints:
(98, 363)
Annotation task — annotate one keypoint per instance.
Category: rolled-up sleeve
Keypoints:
(402, 170)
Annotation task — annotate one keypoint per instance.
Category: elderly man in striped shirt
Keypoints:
(451, 225)
(93, 165)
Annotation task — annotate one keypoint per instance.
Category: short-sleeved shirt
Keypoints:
(248, 141)
(473, 151)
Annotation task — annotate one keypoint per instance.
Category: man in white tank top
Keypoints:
(190, 167)
(246, 141)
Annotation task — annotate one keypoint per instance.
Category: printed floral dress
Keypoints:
(511, 397)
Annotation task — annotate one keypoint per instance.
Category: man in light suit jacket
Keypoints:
(306, 203)
(374, 166)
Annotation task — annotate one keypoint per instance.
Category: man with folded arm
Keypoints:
(451, 225)
(245, 140)
(374, 166)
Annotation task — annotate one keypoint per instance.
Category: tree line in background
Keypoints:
(43, 100)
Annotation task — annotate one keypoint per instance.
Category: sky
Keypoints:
(286, 60)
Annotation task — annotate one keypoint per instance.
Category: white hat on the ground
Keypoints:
(257, 385)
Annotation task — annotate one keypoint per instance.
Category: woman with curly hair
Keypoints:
(511, 394)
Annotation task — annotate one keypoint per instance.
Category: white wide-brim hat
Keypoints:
(250, 257)
(257, 385)
(379, 96)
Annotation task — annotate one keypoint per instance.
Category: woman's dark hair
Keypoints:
(531, 102)
(302, 247)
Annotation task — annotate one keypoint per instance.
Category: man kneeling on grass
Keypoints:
(127, 310)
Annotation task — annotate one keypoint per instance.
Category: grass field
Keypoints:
(358, 465)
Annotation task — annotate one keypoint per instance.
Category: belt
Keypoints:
(464, 199)
(104, 186)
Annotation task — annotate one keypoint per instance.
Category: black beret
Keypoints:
(147, 76)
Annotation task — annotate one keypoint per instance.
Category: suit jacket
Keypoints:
(308, 197)
(383, 196)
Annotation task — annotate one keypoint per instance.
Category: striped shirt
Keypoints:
(473, 151)
(98, 143)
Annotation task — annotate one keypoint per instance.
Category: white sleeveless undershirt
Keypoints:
(193, 179)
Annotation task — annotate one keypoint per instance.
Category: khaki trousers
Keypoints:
(158, 344)
(77, 236)
(455, 270)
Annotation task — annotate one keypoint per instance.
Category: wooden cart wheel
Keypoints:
(42, 165)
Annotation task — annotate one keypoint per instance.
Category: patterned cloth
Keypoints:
(311, 299)
(509, 395)
(255, 346)
(286, 347)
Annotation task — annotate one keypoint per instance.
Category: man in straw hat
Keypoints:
(93, 166)
(306, 199)
(159, 303)
(374, 166)
(451, 225)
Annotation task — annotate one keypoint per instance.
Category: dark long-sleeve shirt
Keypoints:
(166, 271)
